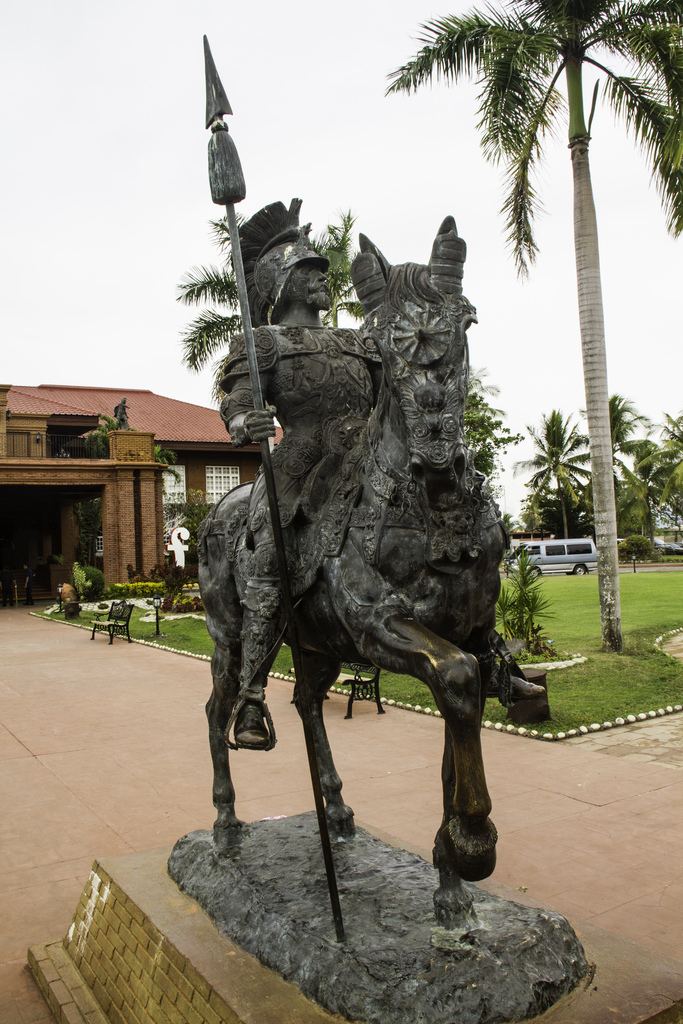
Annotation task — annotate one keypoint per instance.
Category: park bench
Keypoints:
(363, 688)
(116, 623)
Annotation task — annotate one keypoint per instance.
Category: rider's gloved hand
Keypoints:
(260, 424)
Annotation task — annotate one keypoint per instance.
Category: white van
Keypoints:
(577, 555)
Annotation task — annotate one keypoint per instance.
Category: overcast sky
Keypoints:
(105, 199)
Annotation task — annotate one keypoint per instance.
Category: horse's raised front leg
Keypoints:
(225, 669)
(465, 845)
(320, 672)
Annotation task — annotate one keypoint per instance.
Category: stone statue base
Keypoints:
(268, 893)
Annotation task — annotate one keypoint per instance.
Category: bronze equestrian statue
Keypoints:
(394, 540)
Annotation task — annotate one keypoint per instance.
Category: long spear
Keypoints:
(227, 188)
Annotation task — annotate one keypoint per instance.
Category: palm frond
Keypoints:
(206, 335)
(208, 284)
(624, 17)
(520, 204)
(454, 47)
(654, 126)
(516, 71)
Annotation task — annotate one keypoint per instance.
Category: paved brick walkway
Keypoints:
(103, 751)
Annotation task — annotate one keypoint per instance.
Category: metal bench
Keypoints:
(116, 623)
(361, 687)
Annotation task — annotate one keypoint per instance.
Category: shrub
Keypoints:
(521, 606)
(135, 589)
(81, 581)
(636, 547)
(96, 578)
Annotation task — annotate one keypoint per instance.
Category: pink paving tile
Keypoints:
(123, 759)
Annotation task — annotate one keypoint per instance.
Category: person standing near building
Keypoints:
(28, 585)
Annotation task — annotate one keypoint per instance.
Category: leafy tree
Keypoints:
(89, 519)
(209, 333)
(549, 513)
(635, 548)
(487, 437)
(559, 461)
(519, 53)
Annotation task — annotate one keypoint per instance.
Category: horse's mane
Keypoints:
(410, 281)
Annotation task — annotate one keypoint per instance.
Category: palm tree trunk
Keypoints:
(565, 525)
(597, 398)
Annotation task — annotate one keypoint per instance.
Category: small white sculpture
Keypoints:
(176, 546)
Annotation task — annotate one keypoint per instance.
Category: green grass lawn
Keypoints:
(606, 686)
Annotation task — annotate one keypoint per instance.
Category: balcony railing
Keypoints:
(27, 444)
(69, 446)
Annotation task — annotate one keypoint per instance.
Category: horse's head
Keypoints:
(418, 317)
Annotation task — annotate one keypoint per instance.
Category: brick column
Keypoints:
(110, 536)
(159, 502)
(125, 522)
(150, 525)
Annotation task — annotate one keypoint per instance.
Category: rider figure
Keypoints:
(313, 378)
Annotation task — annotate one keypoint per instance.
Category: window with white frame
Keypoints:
(174, 484)
(220, 480)
(99, 545)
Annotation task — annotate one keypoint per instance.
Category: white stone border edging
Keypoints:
(532, 734)
(670, 633)
(135, 640)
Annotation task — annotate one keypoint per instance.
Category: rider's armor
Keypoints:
(315, 378)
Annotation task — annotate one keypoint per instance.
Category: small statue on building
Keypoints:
(121, 416)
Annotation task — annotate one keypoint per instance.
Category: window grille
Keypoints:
(174, 484)
(220, 480)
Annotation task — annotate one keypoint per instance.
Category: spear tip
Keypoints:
(217, 103)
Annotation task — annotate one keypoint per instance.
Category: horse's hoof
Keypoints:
(340, 820)
(473, 843)
(453, 907)
(226, 837)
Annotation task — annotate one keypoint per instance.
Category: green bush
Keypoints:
(96, 578)
(521, 606)
(135, 589)
(636, 547)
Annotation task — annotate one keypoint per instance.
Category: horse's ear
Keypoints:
(367, 246)
(369, 280)
(448, 259)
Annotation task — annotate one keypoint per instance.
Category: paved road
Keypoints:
(103, 751)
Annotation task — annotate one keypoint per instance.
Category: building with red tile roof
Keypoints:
(49, 464)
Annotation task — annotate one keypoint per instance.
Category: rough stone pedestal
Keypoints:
(268, 893)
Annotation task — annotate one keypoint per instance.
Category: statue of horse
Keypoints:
(409, 575)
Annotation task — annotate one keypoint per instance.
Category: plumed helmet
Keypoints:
(273, 244)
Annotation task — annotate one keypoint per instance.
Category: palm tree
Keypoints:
(336, 244)
(209, 333)
(641, 493)
(559, 459)
(625, 421)
(519, 55)
(668, 458)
